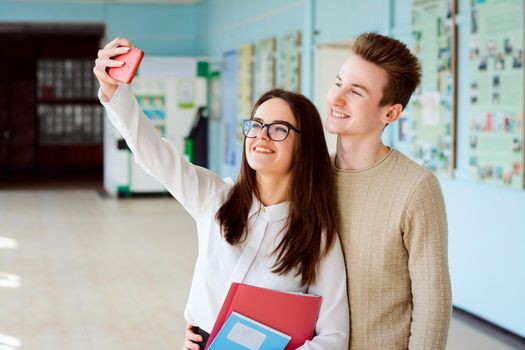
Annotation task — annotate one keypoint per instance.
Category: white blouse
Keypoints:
(219, 264)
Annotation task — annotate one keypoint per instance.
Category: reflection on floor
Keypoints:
(81, 272)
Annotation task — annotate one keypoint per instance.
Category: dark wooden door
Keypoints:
(5, 128)
(23, 126)
(18, 129)
(23, 150)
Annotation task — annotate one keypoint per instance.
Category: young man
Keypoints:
(392, 220)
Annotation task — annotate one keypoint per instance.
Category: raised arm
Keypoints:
(425, 237)
(191, 185)
(332, 329)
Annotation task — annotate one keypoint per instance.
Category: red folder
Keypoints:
(290, 313)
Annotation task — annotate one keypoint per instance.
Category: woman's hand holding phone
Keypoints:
(116, 47)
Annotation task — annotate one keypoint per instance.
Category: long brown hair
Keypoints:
(310, 230)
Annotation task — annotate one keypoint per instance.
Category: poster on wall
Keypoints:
(496, 107)
(290, 62)
(427, 127)
(244, 86)
(265, 66)
(154, 107)
(186, 93)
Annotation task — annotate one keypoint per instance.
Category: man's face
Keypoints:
(353, 101)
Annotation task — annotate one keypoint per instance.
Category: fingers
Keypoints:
(191, 335)
(112, 51)
(102, 75)
(191, 346)
(106, 62)
(103, 61)
(118, 42)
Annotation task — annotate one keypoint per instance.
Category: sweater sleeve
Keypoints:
(333, 325)
(425, 238)
(191, 185)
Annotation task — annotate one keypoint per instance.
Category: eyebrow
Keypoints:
(275, 121)
(362, 87)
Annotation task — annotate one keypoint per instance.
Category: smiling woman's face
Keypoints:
(264, 155)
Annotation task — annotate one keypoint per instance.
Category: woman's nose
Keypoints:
(264, 133)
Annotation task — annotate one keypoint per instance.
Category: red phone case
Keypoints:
(131, 60)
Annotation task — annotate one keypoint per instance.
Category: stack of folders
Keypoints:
(257, 318)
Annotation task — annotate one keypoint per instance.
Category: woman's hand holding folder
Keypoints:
(191, 338)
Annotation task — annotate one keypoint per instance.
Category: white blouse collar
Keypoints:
(271, 213)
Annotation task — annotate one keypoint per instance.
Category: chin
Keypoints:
(331, 128)
(257, 165)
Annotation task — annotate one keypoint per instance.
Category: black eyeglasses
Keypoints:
(277, 131)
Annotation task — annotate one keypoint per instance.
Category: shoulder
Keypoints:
(415, 174)
(402, 162)
(213, 190)
(419, 184)
(226, 187)
(425, 196)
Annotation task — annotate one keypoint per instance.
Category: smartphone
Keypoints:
(131, 60)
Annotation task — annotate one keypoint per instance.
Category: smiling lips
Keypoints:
(264, 150)
(339, 115)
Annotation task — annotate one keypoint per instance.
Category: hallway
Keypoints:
(81, 272)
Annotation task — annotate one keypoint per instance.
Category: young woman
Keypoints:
(273, 228)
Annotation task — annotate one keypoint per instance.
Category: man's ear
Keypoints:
(392, 113)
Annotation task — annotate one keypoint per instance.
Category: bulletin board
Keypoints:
(228, 107)
(265, 66)
(290, 62)
(244, 86)
(428, 127)
(496, 131)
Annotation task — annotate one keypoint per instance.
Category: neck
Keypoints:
(273, 189)
(355, 154)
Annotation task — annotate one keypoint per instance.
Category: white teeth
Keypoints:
(263, 150)
(339, 115)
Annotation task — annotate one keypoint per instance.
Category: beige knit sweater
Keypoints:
(393, 231)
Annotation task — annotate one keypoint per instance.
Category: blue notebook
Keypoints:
(242, 333)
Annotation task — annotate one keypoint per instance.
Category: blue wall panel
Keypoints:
(227, 24)
(339, 20)
(157, 29)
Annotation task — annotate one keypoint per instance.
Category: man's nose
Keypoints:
(336, 96)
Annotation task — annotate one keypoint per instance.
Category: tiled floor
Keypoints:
(81, 272)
